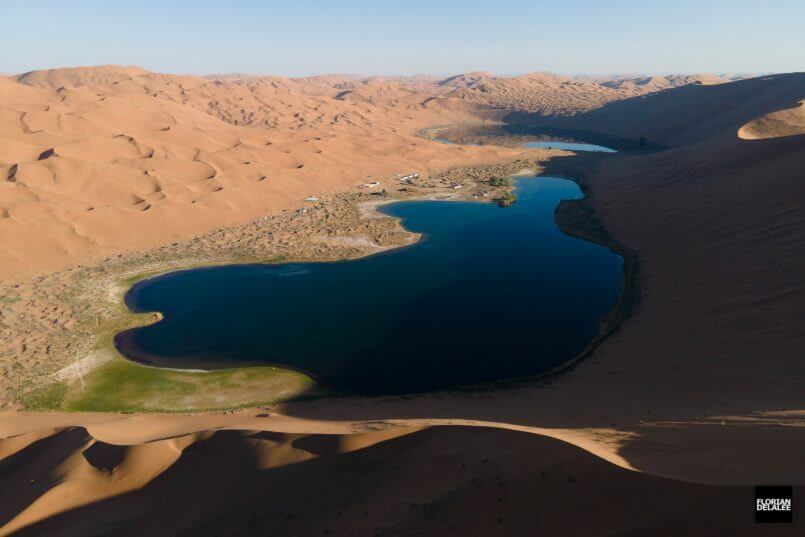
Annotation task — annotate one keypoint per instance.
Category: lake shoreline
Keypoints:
(536, 247)
(608, 324)
(97, 291)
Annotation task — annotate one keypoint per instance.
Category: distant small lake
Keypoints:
(537, 137)
(488, 293)
(569, 146)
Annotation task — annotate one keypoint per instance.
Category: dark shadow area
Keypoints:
(718, 329)
(444, 481)
(28, 474)
(682, 115)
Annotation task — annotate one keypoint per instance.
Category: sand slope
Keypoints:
(104, 159)
(479, 482)
(98, 160)
(548, 94)
(788, 122)
(711, 361)
(690, 113)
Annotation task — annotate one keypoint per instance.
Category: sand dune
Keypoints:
(710, 361)
(701, 384)
(690, 113)
(657, 83)
(548, 94)
(480, 482)
(67, 469)
(106, 159)
(789, 122)
(90, 153)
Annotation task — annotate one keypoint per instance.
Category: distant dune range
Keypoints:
(96, 160)
(694, 112)
(99, 160)
(700, 390)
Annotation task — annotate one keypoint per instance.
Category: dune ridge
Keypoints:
(790, 122)
(266, 481)
(688, 114)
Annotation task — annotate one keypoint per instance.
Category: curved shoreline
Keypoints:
(332, 229)
(628, 298)
(351, 215)
(624, 307)
(608, 324)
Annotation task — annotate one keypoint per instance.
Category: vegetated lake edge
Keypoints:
(574, 217)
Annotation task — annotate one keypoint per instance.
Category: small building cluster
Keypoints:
(407, 178)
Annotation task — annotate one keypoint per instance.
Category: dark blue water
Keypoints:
(489, 293)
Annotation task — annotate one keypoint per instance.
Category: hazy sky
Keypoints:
(300, 37)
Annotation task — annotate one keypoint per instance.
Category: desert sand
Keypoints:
(662, 430)
(106, 159)
(436, 481)
(110, 159)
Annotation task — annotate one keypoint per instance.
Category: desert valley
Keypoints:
(399, 305)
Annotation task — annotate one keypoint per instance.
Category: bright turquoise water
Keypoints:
(489, 293)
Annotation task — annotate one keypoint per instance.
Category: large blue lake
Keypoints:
(488, 293)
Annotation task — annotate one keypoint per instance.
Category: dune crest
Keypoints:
(241, 481)
(68, 468)
(789, 122)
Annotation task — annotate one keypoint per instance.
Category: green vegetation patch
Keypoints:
(506, 199)
(122, 386)
(501, 181)
(50, 397)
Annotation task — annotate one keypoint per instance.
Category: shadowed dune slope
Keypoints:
(706, 374)
(720, 235)
(687, 114)
(441, 481)
(719, 230)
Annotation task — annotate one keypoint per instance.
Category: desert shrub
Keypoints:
(501, 181)
(506, 199)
